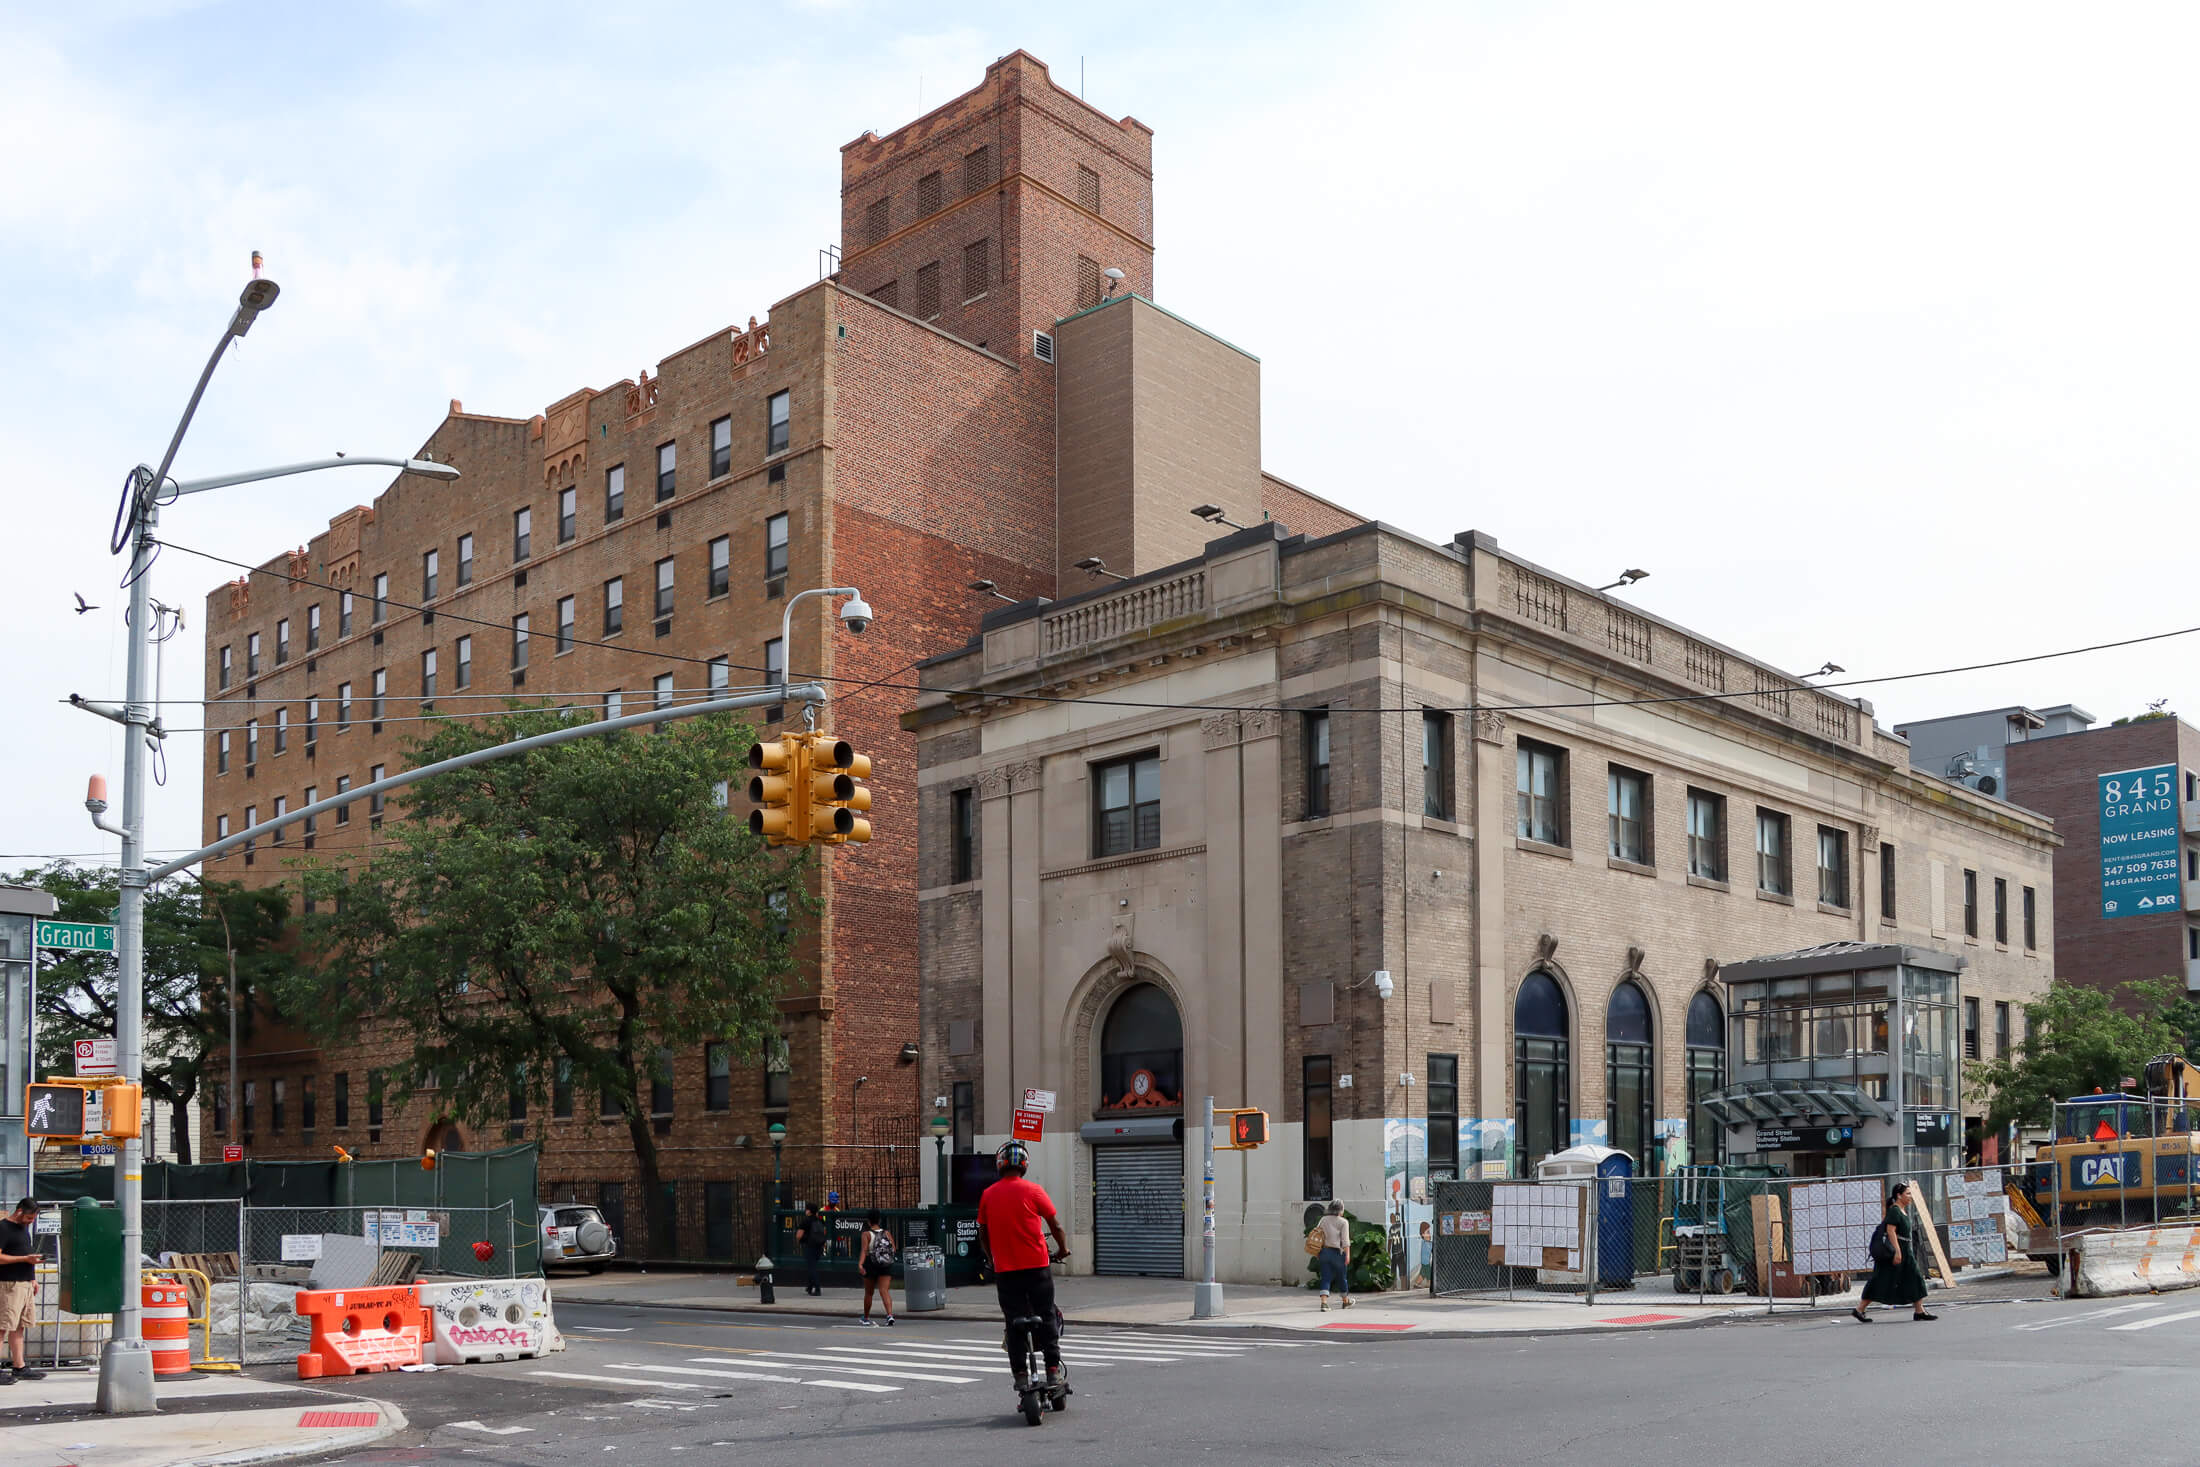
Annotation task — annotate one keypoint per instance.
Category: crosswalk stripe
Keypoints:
(2158, 1319)
(952, 1362)
(2091, 1316)
(673, 1385)
(770, 1356)
(1210, 1341)
(1120, 1357)
(620, 1380)
(1201, 1352)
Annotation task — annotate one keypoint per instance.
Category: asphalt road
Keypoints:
(2005, 1384)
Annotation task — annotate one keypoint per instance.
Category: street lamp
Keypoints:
(777, 1130)
(1214, 514)
(1626, 578)
(1093, 565)
(126, 1366)
(940, 1127)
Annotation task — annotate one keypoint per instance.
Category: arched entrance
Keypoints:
(1137, 1137)
(1543, 1088)
(1627, 1074)
(1706, 1077)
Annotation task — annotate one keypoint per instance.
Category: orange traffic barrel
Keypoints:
(167, 1321)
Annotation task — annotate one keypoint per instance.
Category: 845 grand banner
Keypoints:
(2139, 842)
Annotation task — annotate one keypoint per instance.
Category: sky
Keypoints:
(1866, 330)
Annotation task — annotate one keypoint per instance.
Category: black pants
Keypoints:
(810, 1257)
(1029, 1291)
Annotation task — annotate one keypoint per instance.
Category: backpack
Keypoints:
(882, 1248)
(1882, 1251)
(1313, 1241)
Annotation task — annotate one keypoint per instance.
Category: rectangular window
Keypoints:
(614, 705)
(381, 608)
(2031, 920)
(1833, 866)
(343, 613)
(717, 1077)
(875, 221)
(1088, 189)
(779, 407)
(721, 447)
(1970, 1028)
(379, 682)
(721, 566)
(252, 655)
(1127, 805)
(1435, 764)
(561, 1090)
(1886, 881)
(775, 547)
(282, 729)
(375, 801)
(929, 195)
(251, 818)
(519, 642)
(251, 1104)
(340, 1098)
(251, 742)
(1443, 1117)
(275, 1106)
(2001, 1031)
(431, 574)
(1772, 852)
(464, 671)
(775, 662)
(720, 672)
(664, 588)
(282, 808)
(515, 1106)
(1315, 738)
(928, 290)
(310, 826)
(661, 690)
(565, 623)
(343, 706)
(777, 1067)
(374, 1100)
(1627, 812)
(614, 494)
(221, 1108)
(964, 1102)
(313, 721)
(523, 532)
(963, 834)
(343, 812)
(1539, 793)
(668, 457)
(977, 268)
(221, 753)
(1088, 282)
(660, 1084)
(465, 560)
(2001, 911)
(427, 676)
(282, 641)
(1708, 834)
(1970, 904)
(569, 514)
(313, 627)
(614, 605)
(222, 678)
(1314, 1111)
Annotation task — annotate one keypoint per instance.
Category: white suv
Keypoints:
(575, 1233)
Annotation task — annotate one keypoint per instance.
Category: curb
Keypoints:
(393, 1421)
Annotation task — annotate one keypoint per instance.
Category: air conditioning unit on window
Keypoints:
(1042, 346)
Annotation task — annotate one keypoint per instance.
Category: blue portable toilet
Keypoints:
(1606, 1172)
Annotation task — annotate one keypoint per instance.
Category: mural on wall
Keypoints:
(1588, 1133)
(1485, 1149)
(1408, 1216)
(1672, 1137)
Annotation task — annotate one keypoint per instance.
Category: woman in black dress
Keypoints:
(1899, 1276)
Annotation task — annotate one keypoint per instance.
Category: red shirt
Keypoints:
(1010, 1211)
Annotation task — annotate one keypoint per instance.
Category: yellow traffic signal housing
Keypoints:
(837, 794)
(1248, 1130)
(124, 1108)
(783, 766)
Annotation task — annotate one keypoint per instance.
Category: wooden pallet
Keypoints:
(395, 1270)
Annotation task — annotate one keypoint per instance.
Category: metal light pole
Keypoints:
(1207, 1295)
(940, 1127)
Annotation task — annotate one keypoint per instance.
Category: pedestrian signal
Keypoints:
(1248, 1129)
(54, 1111)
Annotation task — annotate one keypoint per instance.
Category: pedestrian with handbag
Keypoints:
(1898, 1276)
(1332, 1242)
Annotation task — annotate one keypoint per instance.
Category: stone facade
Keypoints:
(1263, 905)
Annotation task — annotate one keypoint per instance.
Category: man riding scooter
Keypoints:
(1014, 1217)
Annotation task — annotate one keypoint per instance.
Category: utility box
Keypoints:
(91, 1257)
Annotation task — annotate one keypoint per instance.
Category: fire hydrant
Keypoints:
(764, 1281)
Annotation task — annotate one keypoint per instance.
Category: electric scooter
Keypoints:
(1037, 1397)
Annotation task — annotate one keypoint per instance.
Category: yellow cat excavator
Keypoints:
(2121, 1159)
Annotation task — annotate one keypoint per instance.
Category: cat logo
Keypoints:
(2100, 1171)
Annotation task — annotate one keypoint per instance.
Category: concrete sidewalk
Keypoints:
(1152, 1303)
(203, 1420)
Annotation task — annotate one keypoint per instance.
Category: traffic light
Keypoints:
(783, 769)
(55, 1111)
(1248, 1129)
(839, 798)
(124, 1108)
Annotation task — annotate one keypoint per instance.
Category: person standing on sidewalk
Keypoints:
(1898, 1277)
(1335, 1258)
(876, 1249)
(811, 1236)
(19, 1257)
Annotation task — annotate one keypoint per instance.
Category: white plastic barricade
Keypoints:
(489, 1319)
(2133, 1261)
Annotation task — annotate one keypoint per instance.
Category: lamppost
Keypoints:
(940, 1127)
(778, 1132)
(126, 1366)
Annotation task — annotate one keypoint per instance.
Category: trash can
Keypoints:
(924, 1280)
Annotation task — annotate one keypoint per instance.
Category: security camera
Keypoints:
(856, 616)
(1383, 985)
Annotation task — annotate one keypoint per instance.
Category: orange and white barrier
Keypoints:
(2132, 1261)
(357, 1330)
(166, 1322)
(489, 1319)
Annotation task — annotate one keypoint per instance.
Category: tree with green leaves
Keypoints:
(2078, 1039)
(567, 915)
(189, 930)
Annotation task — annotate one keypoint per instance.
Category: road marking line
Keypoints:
(492, 1430)
(1208, 1340)
(2091, 1315)
(1121, 1357)
(977, 1357)
(673, 1385)
(954, 1363)
(617, 1380)
(2159, 1319)
(816, 1360)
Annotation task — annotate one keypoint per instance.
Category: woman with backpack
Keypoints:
(1331, 1242)
(1898, 1277)
(876, 1249)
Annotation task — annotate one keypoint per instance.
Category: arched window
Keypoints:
(1627, 1084)
(1706, 1076)
(1542, 1077)
(1142, 1052)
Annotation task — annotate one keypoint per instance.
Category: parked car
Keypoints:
(575, 1234)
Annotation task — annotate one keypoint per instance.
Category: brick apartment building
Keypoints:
(892, 428)
(1248, 802)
